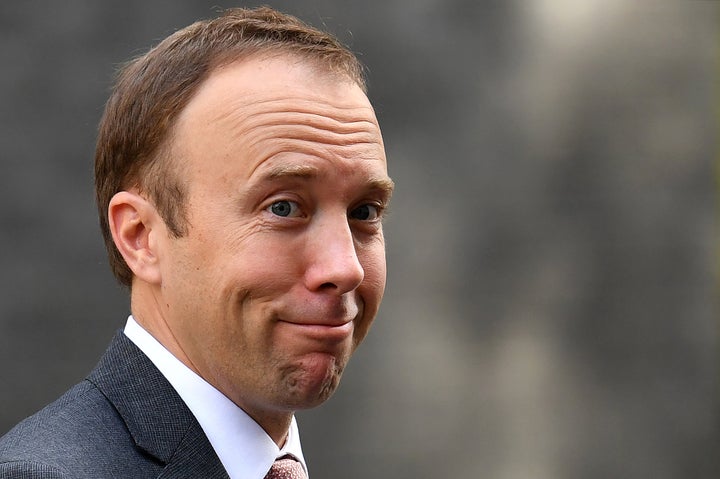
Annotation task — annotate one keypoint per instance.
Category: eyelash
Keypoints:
(379, 210)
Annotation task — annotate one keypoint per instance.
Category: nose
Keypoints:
(332, 258)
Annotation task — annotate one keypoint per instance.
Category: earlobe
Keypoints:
(132, 220)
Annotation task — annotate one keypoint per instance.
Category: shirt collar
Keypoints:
(244, 448)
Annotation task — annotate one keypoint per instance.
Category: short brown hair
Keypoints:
(153, 89)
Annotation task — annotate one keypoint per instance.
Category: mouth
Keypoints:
(322, 332)
(327, 323)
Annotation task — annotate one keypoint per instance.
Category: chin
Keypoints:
(312, 381)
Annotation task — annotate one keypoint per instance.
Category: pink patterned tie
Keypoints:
(286, 468)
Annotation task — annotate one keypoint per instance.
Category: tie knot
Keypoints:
(286, 468)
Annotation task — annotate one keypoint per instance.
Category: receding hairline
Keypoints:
(337, 58)
(166, 156)
(320, 64)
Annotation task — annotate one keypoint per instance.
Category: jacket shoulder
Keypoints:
(29, 470)
(79, 435)
(42, 432)
(124, 420)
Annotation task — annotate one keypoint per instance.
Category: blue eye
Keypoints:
(365, 213)
(284, 208)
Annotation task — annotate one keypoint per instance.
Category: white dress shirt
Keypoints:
(244, 448)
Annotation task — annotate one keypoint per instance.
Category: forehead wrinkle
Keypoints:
(312, 149)
(315, 111)
(268, 133)
(306, 137)
(316, 120)
(302, 102)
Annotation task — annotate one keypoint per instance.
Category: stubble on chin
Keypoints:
(305, 386)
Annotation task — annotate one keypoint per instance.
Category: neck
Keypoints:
(276, 425)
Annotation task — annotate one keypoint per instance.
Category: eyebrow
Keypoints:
(383, 184)
(291, 171)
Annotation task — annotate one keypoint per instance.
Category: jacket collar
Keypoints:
(158, 420)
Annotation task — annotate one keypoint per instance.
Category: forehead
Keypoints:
(243, 87)
(256, 109)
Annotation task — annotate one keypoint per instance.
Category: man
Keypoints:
(241, 182)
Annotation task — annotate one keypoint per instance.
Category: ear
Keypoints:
(134, 223)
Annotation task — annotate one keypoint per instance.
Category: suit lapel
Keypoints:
(194, 458)
(157, 418)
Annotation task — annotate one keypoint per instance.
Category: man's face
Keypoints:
(283, 267)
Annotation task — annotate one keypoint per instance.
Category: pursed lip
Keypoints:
(326, 320)
(327, 331)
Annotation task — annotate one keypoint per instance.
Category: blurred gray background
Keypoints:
(551, 310)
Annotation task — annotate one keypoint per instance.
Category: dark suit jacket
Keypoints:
(124, 421)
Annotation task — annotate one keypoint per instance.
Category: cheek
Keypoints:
(256, 264)
(374, 266)
(371, 290)
(264, 276)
